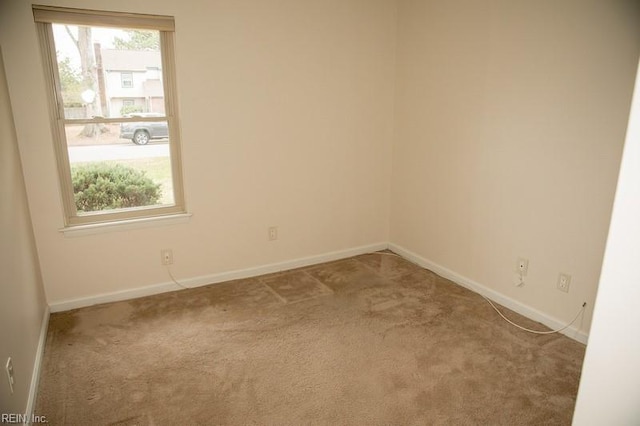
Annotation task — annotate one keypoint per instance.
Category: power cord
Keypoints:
(528, 330)
(176, 281)
(535, 331)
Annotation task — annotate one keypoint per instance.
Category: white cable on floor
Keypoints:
(528, 330)
(174, 280)
(535, 331)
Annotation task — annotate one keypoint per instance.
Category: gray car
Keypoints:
(142, 132)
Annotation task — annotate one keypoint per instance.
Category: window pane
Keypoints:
(127, 80)
(108, 72)
(126, 165)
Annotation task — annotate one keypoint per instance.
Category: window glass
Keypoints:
(96, 64)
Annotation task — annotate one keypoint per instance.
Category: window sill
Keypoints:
(125, 225)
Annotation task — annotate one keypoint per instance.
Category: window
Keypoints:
(126, 79)
(117, 160)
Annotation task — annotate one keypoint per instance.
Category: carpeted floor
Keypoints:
(371, 340)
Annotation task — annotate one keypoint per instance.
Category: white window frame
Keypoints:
(128, 79)
(45, 16)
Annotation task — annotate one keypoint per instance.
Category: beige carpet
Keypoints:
(371, 340)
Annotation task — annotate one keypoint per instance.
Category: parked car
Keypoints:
(142, 132)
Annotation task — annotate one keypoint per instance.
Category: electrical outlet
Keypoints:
(522, 266)
(564, 280)
(273, 233)
(166, 257)
(9, 369)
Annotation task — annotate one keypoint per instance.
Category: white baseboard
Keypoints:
(134, 293)
(35, 375)
(476, 287)
(529, 312)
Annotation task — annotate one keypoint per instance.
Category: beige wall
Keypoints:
(286, 120)
(510, 122)
(509, 119)
(22, 300)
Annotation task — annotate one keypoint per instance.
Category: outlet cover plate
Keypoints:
(522, 266)
(564, 281)
(166, 257)
(9, 370)
(273, 233)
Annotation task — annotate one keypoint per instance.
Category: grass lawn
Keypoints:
(157, 169)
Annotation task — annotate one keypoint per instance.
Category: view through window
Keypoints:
(114, 121)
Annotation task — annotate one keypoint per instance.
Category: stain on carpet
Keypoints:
(296, 286)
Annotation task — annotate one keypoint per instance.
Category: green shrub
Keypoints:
(102, 186)
(129, 109)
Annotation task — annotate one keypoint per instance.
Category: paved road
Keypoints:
(78, 154)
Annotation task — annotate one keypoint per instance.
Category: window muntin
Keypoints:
(94, 125)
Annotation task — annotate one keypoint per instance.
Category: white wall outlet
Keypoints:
(273, 233)
(522, 266)
(166, 257)
(564, 280)
(9, 369)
